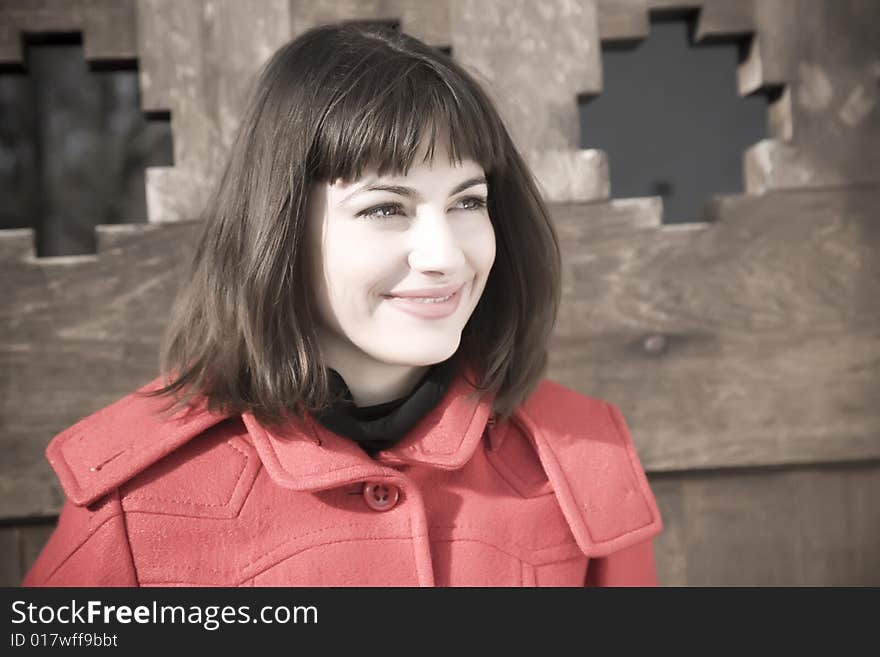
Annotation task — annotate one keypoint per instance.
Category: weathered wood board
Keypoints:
(197, 61)
(818, 62)
(815, 526)
(535, 59)
(750, 340)
(826, 124)
(628, 20)
(107, 26)
(78, 333)
(20, 547)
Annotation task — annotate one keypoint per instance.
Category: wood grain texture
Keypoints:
(19, 546)
(428, 21)
(78, 147)
(31, 539)
(828, 56)
(819, 63)
(10, 561)
(107, 26)
(622, 20)
(511, 46)
(535, 59)
(197, 61)
(751, 340)
(79, 332)
(17, 244)
(628, 20)
(721, 19)
(814, 526)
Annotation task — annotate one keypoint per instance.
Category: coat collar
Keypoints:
(304, 455)
(113, 444)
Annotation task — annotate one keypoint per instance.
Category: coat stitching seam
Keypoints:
(189, 502)
(215, 571)
(82, 543)
(580, 511)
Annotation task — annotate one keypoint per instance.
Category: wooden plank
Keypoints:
(675, 6)
(517, 47)
(32, 538)
(749, 341)
(800, 527)
(817, 61)
(17, 244)
(715, 19)
(826, 51)
(79, 332)
(814, 526)
(758, 330)
(197, 60)
(10, 561)
(109, 30)
(765, 349)
(721, 19)
(428, 21)
(107, 26)
(19, 547)
(622, 20)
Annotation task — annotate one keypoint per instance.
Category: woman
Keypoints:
(352, 389)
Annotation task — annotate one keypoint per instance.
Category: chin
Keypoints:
(421, 357)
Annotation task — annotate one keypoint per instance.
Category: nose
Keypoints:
(435, 246)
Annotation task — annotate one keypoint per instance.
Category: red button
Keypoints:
(381, 497)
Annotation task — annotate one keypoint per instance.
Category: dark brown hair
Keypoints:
(333, 102)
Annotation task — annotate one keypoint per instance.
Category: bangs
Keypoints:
(339, 102)
(379, 121)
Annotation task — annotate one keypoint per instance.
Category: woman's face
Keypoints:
(429, 237)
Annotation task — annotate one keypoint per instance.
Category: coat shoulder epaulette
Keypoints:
(107, 448)
(588, 454)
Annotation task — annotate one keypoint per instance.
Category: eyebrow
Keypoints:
(409, 191)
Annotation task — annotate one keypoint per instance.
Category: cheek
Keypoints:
(482, 248)
(353, 265)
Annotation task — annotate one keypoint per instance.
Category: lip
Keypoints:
(427, 310)
(427, 291)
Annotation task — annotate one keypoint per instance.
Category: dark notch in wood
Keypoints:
(132, 158)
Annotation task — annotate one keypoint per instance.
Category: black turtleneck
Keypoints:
(383, 425)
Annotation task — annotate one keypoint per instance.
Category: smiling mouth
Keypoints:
(427, 307)
(425, 299)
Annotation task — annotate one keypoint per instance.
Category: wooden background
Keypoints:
(743, 350)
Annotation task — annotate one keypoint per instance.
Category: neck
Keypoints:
(377, 383)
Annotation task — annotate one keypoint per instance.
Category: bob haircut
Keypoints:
(337, 100)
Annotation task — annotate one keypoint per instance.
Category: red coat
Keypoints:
(554, 497)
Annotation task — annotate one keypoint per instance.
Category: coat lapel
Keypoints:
(304, 455)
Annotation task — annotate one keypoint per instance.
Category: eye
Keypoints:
(476, 202)
(378, 211)
(386, 210)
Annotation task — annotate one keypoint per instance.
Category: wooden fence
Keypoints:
(743, 350)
